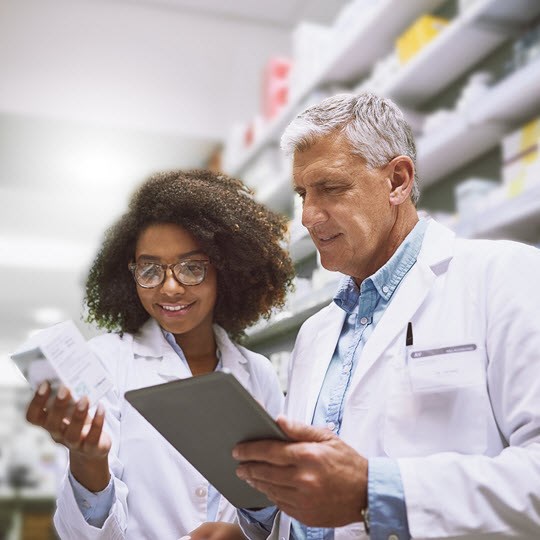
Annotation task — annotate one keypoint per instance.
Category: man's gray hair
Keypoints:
(374, 126)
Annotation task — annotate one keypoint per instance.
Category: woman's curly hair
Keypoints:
(242, 238)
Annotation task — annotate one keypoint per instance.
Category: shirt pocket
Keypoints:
(438, 402)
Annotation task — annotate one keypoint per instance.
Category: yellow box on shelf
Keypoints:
(521, 157)
(418, 35)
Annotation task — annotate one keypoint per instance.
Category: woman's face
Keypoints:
(179, 309)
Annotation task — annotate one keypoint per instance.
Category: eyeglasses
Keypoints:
(149, 275)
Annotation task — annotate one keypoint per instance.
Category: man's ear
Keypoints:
(401, 175)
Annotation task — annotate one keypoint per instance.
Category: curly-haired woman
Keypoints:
(193, 262)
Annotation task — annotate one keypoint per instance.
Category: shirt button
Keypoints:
(385, 289)
(393, 537)
(363, 320)
(331, 426)
(200, 492)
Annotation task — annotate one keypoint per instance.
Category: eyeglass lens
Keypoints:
(186, 272)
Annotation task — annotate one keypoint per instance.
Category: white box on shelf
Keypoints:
(311, 43)
(471, 195)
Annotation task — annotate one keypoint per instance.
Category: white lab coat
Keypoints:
(468, 444)
(158, 493)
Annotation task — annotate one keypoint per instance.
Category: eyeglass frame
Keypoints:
(133, 267)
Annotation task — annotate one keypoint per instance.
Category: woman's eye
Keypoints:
(149, 270)
(194, 268)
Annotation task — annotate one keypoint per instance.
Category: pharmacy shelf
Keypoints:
(516, 218)
(277, 194)
(482, 126)
(372, 38)
(301, 247)
(459, 143)
(287, 321)
(462, 44)
(515, 99)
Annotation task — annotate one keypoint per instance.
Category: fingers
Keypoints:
(302, 432)
(94, 434)
(279, 495)
(284, 453)
(275, 452)
(216, 530)
(56, 413)
(72, 433)
(269, 474)
(36, 414)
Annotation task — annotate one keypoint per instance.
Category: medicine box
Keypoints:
(60, 354)
(418, 35)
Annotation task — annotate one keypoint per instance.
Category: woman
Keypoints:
(193, 262)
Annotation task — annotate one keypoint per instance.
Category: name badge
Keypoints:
(445, 368)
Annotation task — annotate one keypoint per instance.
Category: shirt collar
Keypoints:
(388, 277)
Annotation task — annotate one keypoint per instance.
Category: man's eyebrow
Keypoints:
(317, 184)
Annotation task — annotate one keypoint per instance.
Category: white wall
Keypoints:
(130, 64)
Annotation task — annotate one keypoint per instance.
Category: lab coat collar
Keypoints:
(150, 343)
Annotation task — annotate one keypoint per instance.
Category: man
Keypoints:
(414, 397)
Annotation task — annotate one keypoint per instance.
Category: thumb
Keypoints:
(297, 431)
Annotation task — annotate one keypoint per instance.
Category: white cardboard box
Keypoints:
(60, 354)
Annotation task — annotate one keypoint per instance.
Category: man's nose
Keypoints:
(312, 213)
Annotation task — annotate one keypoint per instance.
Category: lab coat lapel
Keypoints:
(231, 356)
(323, 347)
(437, 248)
(408, 298)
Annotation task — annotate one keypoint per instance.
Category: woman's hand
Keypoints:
(216, 530)
(70, 425)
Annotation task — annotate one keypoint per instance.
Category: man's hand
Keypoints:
(217, 530)
(318, 479)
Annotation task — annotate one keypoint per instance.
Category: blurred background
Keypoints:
(97, 94)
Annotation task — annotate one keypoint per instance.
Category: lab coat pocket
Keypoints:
(438, 402)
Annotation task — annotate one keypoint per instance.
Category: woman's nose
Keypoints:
(171, 285)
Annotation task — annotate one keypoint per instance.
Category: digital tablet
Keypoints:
(204, 417)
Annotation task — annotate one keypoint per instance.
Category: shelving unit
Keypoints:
(467, 135)
(278, 194)
(515, 218)
(351, 60)
(287, 321)
(482, 126)
(463, 43)
(301, 247)
(472, 134)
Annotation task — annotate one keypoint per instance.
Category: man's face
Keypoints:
(347, 208)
